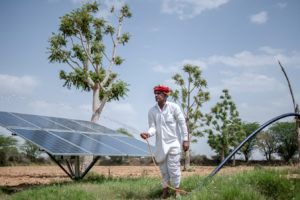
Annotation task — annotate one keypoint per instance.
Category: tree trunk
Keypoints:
(187, 158)
(222, 154)
(233, 161)
(187, 161)
(266, 156)
(269, 157)
(246, 157)
(96, 103)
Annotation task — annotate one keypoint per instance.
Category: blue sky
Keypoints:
(236, 44)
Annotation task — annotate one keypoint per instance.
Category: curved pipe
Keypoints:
(249, 138)
(209, 177)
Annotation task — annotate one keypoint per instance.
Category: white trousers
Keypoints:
(170, 170)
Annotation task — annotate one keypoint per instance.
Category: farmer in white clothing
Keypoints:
(165, 120)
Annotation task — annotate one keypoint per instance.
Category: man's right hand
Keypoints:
(145, 135)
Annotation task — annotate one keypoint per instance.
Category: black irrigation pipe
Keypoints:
(215, 171)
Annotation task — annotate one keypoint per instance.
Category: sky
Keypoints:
(236, 44)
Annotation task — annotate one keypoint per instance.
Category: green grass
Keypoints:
(259, 184)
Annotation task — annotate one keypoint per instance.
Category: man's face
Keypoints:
(159, 96)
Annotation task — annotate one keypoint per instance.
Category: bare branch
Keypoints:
(70, 65)
(85, 50)
(115, 42)
(90, 82)
(289, 84)
(106, 56)
(192, 89)
(76, 63)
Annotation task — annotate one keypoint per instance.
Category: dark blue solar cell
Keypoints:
(50, 143)
(41, 121)
(7, 119)
(96, 147)
(97, 127)
(121, 146)
(71, 124)
(136, 143)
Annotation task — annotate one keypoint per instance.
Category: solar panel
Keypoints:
(121, 146)
(61, 136)
(7, 119)
(96, 127)
(134, 142)
(91, 145)
(51, 143)
(70, 124)
(41, 122)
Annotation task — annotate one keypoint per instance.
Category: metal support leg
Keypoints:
(90, 166)
(77, 168)
(70, 168)
(58, 163)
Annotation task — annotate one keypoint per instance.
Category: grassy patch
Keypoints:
(256, 184)
(259, 184)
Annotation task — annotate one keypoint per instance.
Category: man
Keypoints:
(165, 120)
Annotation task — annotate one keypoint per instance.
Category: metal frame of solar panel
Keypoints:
(69, 138)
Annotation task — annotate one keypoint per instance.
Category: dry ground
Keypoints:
(35, 175)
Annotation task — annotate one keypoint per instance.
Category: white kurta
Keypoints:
(165, 124)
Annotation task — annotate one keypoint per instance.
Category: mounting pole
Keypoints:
(77, 168)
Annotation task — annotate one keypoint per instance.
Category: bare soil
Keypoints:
(41, 175)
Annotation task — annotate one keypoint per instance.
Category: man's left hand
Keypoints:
(186, 145)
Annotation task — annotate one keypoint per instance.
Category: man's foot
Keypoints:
(177, 193)
(165, 193)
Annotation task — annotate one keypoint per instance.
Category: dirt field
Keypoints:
(36, 175)
(23, 176)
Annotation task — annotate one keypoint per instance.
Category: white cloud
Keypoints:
(155, 29)
(281, 5)
(252, 82)
(259, 18)
(22, 85)
(176, 67)
(105, 7)
(165, 69)
(186, 9)
(242, 59)
(267, 56)
(227, 73)
(264, 57)
(270, 50)
(79, 1)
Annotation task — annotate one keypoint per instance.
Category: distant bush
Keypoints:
(9, 153)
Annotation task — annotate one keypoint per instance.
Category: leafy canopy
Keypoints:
(79, 43)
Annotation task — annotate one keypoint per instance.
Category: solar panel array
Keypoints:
(61, 136)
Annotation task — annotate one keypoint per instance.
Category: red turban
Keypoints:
(162, 88)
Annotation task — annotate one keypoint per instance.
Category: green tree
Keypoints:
(266, 143)
(31, 150)
(124, 131)
(191, 96)
(8, 149)
(286, 137)
(224, 125)
(247, 149)
(80, 44)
